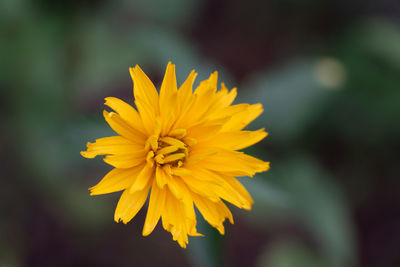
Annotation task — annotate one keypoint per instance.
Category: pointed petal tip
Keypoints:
(118, 219)
(94, 191)
(146, 232)
(263, 167)
(245, 207)
(131, 72)
(108, 101)
(106, 159)
(149, 228)
(267, 165)
(259, 106)
(182, 244)
(170, 70)
(85, 154)
(193, 75)
(221, 229)
(264, 133)
(196, 234)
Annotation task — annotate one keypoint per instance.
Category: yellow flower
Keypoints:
(182, 147)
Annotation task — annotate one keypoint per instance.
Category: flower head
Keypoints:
(181, 148)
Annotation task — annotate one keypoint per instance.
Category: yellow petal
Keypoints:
(229, 111)
(152, 142)
(204, 97)
(209, 84)
(213, 212)
(222, 100)
(200, 187)
(237, 139)
(173, 142)
(176, 187)
(168, 86)
(233, 163)
(109, 146)
(144, 89)
(197, 110)
(227, 98)
(199, 152)
(217, 188)
(239, 188)
(168, 97)
(161, 177)
(185, 91)
(228, 193)
(115, 180)
(188, 207)
(126, 160)
(122, 128)
(179, 219)
(170, 209)
(172, 220)
(143, 178)
(178, 133)
(185, 107)
(205, 101)
(167, 150)
(147, 114)
(174, 157)
(180, 171)
(203, 174)
(127, 112)
(156, 204)
(241, 119)
(130, 204)
(202, 132)
(146, 98)
(168, 122)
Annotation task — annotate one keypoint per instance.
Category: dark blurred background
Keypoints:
(327, 73)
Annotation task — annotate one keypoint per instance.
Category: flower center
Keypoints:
(169, 149)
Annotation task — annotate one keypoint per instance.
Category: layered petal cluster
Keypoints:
(180, 147)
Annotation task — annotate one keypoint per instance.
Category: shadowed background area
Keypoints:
(327, 73)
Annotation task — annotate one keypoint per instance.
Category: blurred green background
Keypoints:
(327, 73)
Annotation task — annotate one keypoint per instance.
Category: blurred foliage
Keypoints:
(327, 76)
